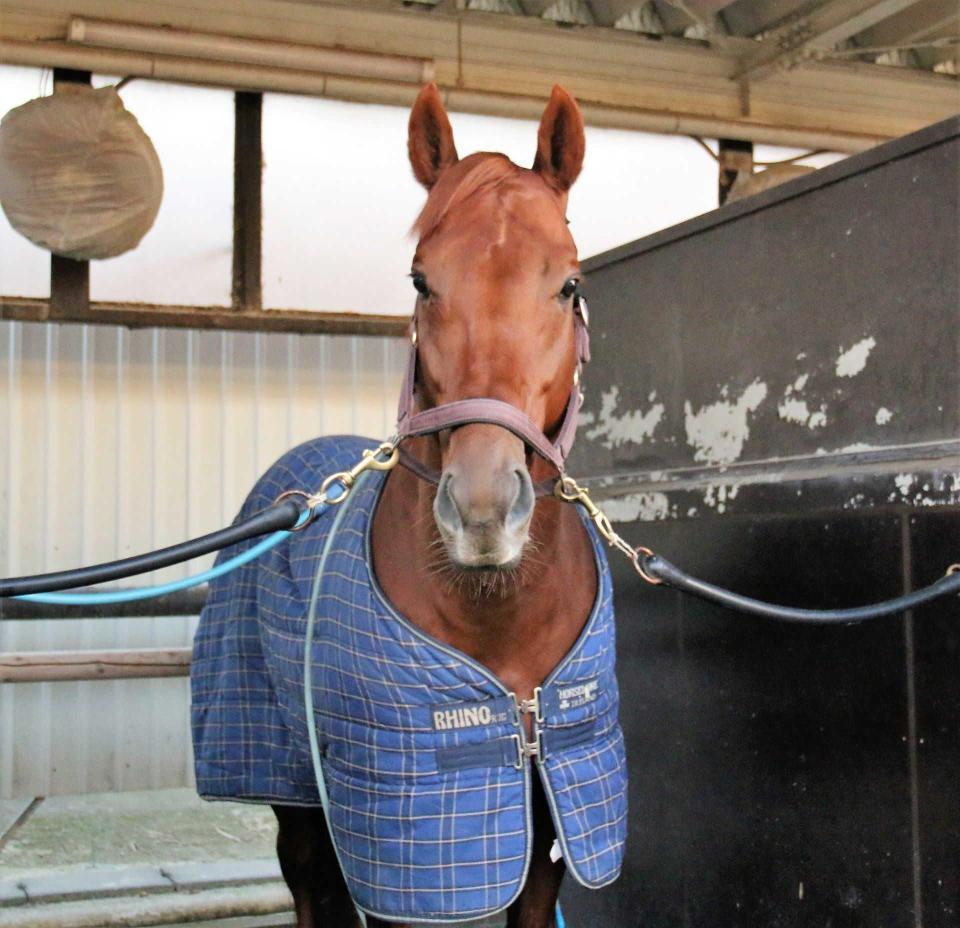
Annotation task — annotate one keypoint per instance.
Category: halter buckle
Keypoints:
(583, 312)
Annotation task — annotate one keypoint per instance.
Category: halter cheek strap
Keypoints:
(491, 411)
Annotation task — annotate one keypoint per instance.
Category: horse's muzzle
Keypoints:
(484, 520)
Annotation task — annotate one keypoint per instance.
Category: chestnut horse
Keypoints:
(479, 561)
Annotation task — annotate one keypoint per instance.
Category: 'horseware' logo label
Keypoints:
(570, 697)
(467, 716)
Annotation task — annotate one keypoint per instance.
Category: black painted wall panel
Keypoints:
(936, 633)
(758, 295)
(786, 775)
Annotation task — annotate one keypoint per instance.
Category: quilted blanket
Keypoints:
(421, 746)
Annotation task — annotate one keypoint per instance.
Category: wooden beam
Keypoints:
(49, 666)
(69, 279)
(184, 602)
(146, 315)
(825, 26)
(69, 286)
(247, 291)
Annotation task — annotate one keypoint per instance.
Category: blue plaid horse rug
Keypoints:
(421, 748)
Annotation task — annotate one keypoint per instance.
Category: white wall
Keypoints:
(121, 442)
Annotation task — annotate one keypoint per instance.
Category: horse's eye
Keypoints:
(420, 284)
(570, 288)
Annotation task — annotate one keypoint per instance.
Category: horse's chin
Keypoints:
(483, 553)
(485, 584)
(469, 559)
(486, 566)
(483, 567)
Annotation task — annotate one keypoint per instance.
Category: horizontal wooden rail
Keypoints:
(180, 604)
(49, 666)
(143, 315)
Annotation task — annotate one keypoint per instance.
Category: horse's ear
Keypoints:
(560, 141)
(430, 138)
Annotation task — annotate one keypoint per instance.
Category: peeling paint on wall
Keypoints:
(719, 431)
(852, 361)
(614, 429)
(904, 482)
(795, 409)
(943, 490)
(856, 501)
(718, 495)
(647, 507)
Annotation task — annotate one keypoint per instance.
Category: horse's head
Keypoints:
(496, 275)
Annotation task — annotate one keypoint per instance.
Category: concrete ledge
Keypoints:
(164, 909)
(99, 882)
(12, 893)
(94, 881)
(194, 876)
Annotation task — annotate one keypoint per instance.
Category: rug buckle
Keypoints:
(528, 749)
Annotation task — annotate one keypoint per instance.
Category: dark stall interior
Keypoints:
(774, 405)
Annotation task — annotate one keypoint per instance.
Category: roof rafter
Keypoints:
(607, 12)
(927, 20)
(823, 27)
(503, 65)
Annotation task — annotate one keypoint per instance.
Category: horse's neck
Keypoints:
(522, 627)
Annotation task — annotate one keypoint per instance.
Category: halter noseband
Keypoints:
(493, 412)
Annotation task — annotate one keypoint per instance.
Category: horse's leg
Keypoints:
(536, 905)
(310, 868)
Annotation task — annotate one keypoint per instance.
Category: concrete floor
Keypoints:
(151, 827)
(160, 857)
(139, 859)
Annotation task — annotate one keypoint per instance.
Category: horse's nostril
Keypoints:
(445, 507)
(501, 501)
(522, 507)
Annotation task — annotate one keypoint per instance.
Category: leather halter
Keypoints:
(494, 412)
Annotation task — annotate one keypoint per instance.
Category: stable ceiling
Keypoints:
(841, 74)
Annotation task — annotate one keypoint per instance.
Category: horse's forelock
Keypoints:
(459, 182)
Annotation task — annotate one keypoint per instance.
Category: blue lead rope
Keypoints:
(311, 718)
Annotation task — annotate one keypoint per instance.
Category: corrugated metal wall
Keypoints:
(114, 442)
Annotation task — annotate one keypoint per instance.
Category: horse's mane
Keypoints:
(460, 181)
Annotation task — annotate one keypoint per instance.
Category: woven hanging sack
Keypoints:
(78, 176)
